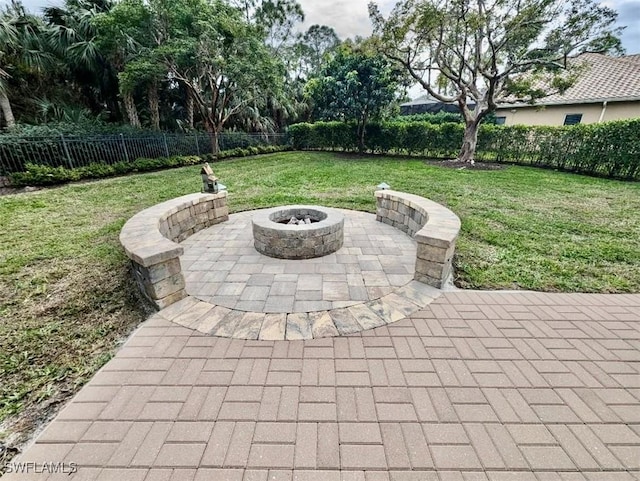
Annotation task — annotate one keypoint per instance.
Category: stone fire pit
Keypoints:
(274, 237)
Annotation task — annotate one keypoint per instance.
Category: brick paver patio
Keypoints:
(222, 267)
(236, 292)
(474, 386)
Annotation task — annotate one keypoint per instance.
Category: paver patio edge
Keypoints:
(476, 385)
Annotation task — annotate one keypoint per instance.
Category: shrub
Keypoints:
(74, 128)
(43, 175)
(434, 118)
(36, 174)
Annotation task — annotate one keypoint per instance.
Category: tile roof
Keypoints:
(604, 78)
(422, 100)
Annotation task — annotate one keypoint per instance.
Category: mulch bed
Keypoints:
(446, 163)
(452, 164)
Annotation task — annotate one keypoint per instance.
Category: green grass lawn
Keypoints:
(66, 298)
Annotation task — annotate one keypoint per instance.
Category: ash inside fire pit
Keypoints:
(298, 221)
(298, 231)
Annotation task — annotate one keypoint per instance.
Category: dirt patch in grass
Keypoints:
(60, 323)
(17, 190)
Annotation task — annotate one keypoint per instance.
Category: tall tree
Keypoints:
(478, 51)
(126, 37)
(74, 39)
(277, 19)
(302, 56)
(356, 84)
(312, 47)
(219, 58)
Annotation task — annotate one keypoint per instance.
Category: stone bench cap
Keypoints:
(442, 226)
(141, 237)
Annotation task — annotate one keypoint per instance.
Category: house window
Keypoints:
(572, 119)
(500, 120)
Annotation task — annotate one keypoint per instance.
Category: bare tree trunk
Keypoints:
(469, 142)
(215, 143)
(190, 108)
(132, 111)
(154, 106)
(361, 130)
(7, 111)
(213, 135)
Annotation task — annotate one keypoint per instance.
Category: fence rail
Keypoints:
(78, 151)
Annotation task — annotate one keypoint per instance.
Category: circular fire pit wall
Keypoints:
(273, 236)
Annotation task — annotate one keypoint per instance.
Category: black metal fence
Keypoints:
(77, 151)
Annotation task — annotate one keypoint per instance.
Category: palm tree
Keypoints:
(74, 39)
(21, 48)
(8, 43)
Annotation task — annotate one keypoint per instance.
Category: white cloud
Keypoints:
(629, 16)
(348, 18)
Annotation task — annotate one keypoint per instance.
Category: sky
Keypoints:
(350, 17)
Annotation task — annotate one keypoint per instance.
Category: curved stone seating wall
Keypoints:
(434, 227)
(150, 240)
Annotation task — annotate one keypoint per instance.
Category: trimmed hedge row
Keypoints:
(610, 149)
(46, 175)
(436, 118)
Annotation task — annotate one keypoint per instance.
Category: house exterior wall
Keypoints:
(555, 114)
